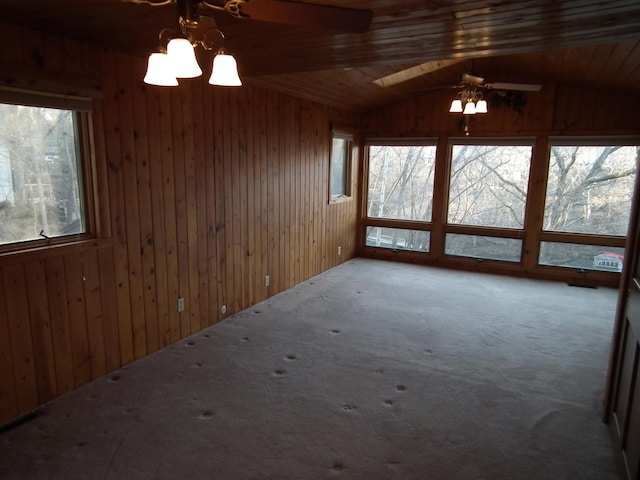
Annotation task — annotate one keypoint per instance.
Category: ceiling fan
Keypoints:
(464, 80)
(469, 80)
(176, 58)
(329, 17)
(474, 94)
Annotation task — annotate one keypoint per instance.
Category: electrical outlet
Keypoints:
(181, 304)
(339, 250)
(267, 280)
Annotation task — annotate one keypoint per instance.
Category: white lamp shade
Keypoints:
(481, 106)
(159, 71)
(469, 109)
(225, 71)
(183, 58)
(456, 106)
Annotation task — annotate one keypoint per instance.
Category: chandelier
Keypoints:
(469, 101)
(176, 57)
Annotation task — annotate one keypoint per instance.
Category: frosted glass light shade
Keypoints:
(481, 106)
(225, 71)
(456, 106)
(469, 109)
(159, 71)
(183, 58)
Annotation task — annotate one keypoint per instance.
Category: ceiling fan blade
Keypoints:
(342, 19)
(413, 72)
(473, 79)
(522, 87)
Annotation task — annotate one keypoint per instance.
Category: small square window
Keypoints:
(340, 168)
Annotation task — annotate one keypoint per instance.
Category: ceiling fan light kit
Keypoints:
(470, 102)
(159, 71)
(164, 69)
(224, 71)
(183, 58)
(178, 59)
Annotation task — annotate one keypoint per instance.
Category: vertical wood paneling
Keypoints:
(93, 304)
(8, 400)
(171, 239)
(227, 179)
(238, 196)
(208, 190)
(263, 220)
(43, 357)
(193, 298)
(20, 337)
(210, 227)
(59, 317)
(251, 184)
(108, 291)
(243, 247)
(108, 111)
(178, 132)
(74, 278)
(155, 243)
(132, 212)
(201, 256)
(221, 200)
(142, 165)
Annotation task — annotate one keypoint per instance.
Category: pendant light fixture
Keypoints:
(178, 58)
(469, 102)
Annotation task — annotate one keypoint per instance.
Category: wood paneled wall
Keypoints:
(204, 192)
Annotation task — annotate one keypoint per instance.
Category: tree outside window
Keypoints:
(40, 177)
(589, 189)
(488, 185)
(401, 181)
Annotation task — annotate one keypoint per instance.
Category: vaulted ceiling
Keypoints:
(572, 42)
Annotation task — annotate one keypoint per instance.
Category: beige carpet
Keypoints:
(373, 370)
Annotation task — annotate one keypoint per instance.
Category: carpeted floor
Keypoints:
(373, 370)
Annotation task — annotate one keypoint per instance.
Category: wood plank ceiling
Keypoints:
(572, 42)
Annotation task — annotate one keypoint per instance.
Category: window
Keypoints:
(582, 257)
(401, 181)
(487, 188)
(340, 169)
(588, 198)
(488, 185)
(398, 239)
(589, 189)
(477, 246)
(41, 177)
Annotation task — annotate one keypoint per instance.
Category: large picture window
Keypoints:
(588, 197)
(401, 181)
(589, 189)
(488, 185)
(41, 176)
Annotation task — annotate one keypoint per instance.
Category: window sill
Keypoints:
(340, 199)
(54, 248)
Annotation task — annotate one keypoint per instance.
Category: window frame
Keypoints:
(593, 239)
(531, 234)
(81, 108)
(485, 230)
(341, 132)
